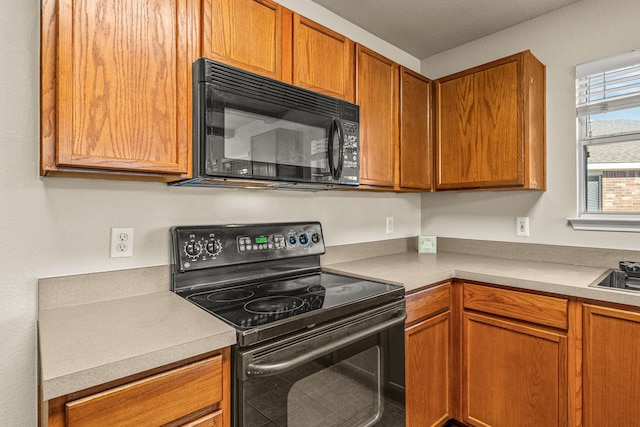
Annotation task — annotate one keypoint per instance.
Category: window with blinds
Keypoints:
(608, 114)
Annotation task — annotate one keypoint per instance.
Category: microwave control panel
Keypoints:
(351, 153)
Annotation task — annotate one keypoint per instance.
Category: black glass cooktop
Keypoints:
(252, 305)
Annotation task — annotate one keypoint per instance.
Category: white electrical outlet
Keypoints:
(522, 226)
(121, 242)
(389, 226)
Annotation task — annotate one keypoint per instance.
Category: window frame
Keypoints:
(601, 221)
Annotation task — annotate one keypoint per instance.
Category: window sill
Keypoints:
(606, 223)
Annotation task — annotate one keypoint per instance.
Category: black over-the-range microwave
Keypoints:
(255, 132)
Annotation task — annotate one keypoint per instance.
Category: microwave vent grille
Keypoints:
(241, 82)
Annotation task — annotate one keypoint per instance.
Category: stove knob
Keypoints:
(315, 237)
(193, 249)
(292, 240)
(213, 247)
(304, 239)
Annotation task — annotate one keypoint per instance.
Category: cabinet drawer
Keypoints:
(540, 309)
(156, 400)
(210, 420)
(427, 302)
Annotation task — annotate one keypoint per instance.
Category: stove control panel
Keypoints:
(199, 247)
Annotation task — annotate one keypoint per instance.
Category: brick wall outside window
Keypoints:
(621, 194)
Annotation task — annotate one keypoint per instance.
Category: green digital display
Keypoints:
(261, 240)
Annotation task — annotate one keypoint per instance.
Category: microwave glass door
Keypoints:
(250, 138)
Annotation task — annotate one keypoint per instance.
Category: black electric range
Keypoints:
(265, 280)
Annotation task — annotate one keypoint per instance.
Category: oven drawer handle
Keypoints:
(257, 369)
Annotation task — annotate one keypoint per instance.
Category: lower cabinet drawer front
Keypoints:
(540, 309)
(156, 400)
(427, 302)
(210, 420)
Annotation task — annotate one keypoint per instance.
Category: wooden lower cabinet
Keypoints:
(490, 356)
(427, 386)
(196, 394)
(611, 377)
(514, 374)
(427, 361)
(514, 357)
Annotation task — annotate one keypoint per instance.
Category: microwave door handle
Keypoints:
(338, 171)
(332, 171)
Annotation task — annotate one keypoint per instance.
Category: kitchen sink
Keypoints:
(627, 278)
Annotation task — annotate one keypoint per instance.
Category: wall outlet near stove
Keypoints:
(121, 242)
(522, 226)
(389, 224)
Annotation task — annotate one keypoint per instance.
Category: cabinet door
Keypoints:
(428, 374)
(457, 129)
(513, 374)
(116, 85)
(490, 126)
(480, 140)
(247, 34)
(611, 377)
(377, 94)
(416, 158)
(323, 60)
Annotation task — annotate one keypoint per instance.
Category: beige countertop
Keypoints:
(414, 271)
(92, 343)
(100, 327)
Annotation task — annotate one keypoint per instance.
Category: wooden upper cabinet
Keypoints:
(323, 60)
(490, 124)
(416, 148)
(377, 94)
(247, 34)
(116, 87)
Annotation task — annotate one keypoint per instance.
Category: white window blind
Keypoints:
(608, 85)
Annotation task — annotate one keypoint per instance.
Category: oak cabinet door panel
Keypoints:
(121, 78)
(247, 34)
(514, 374)
(377, 95)
(323, 60)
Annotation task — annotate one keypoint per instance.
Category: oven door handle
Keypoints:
(255, 369)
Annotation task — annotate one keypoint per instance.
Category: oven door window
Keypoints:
(250, 138)
(343, 388)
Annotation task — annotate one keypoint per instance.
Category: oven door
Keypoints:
(347, 373)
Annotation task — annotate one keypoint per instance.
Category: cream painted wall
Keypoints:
(583, 31)
(54, 226)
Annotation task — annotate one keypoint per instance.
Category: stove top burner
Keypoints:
(284, 286)
(230, 296)
(274, 305)
(353, 289)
